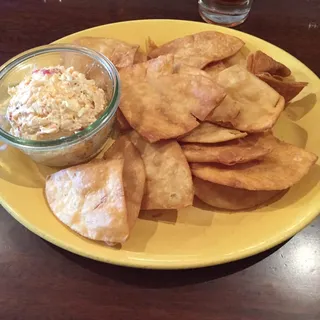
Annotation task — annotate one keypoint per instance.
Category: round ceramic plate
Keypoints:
(196, 236)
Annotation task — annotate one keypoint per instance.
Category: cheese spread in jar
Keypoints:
(54, 102)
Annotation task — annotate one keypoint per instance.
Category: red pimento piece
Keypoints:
(47, 71)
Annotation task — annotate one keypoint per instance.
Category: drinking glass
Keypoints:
(228, 13)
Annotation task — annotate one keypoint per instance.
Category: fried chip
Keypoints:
(169, 182)
(211, 133)
(229, 198)
(239, 58)
(284, 166)
(287, 89)
(252, 147)
(164, 65)
(185, 69)
(150, 45)
(260, 105)
(260, 62)
(200, 49)
(134, 175)
(90, 199)
(122, 122)
(225, 112)
(166, 107)
(122, 54)
(140, 57)
(213, 69)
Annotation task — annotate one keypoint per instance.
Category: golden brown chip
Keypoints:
(200, 49)
(213, 69)
(134, 175)
(229, 198)
(260, 62)
(90, 199)
(150, 45)
(225, 112)
(161, 66)
(260, 105)
(239, 58)
(288, 90)
(252, 147)
(274, 76)
(166, 107)
(284, 166)
(211, 133)
(140, 57)
(185, 69)
(169, 182)
(122, 122)
(122, 54)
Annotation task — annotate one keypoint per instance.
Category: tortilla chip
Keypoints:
(90, 199)
(211, 133)
(150, 45)
(288, 90)
(260, 105)
(168, 106)
(134, 175)
(229, 153)
(122, 122)
(225, 112)
(161, 66)
(200, 49)
(122, 54)
(213, 69)
(284, 166)
(169, 182)
(229, 198)
(260, 62)
(185, 69)
(274, 76)
(239, 58)
(140, 57)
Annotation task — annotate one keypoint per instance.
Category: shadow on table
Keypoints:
(164, 278)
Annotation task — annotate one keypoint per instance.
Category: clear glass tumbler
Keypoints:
(227, 13)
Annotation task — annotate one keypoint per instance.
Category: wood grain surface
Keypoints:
(40, 281)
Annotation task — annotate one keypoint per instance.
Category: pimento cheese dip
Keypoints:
(54, 102)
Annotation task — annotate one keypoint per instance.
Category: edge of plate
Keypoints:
(173, 264)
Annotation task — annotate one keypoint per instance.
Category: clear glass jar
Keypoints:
(78, 147)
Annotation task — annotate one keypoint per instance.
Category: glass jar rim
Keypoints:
(94, 127)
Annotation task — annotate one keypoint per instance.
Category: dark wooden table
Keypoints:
(40, 281)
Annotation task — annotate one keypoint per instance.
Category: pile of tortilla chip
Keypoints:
(246, 172)
(196, 117)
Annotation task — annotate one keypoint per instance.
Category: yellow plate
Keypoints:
(194, 237)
